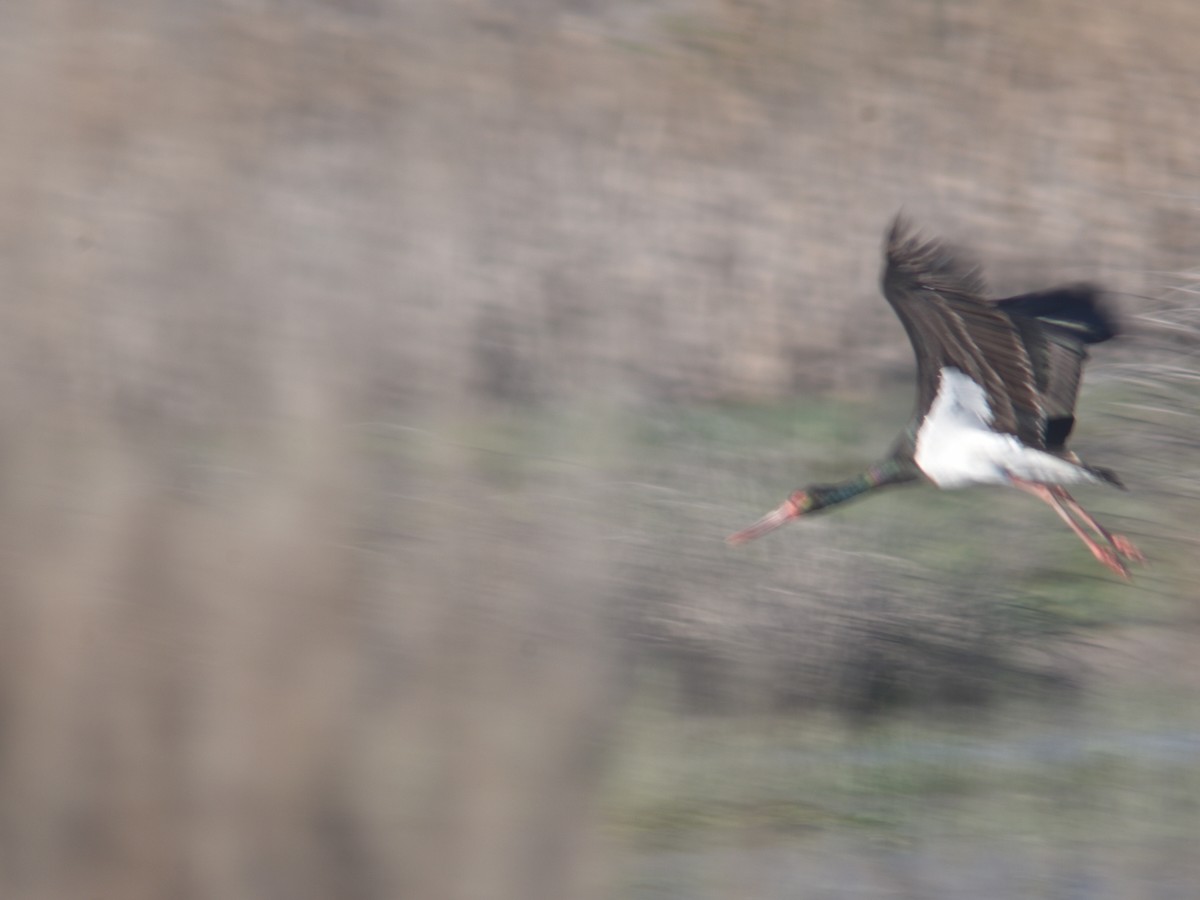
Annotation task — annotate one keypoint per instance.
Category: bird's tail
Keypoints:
(1075, 309)
(1107, 475)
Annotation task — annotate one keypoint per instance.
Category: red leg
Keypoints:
(1106, 555)
(1120, 543)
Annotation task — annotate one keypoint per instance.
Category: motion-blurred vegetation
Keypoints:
(378, 382)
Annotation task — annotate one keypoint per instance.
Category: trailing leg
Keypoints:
(1108, 556)
(1120, 543)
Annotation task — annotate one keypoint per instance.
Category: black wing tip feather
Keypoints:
(898, 232)
(915, 261)
(1078, 309)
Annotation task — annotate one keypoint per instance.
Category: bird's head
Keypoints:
(799, 503)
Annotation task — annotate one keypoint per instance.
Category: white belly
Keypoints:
(956, 446)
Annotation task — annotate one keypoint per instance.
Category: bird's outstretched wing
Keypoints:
(938, 296)
(1055, 326)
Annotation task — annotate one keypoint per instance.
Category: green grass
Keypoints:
(1058, 768)
(749, 456)
(1055, 770)
(680, 779)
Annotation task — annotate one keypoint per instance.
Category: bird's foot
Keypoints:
(1126, 548)
(1108, 557)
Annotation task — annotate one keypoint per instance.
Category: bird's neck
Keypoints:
(889, 471)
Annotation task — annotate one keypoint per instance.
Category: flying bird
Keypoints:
(996, 388)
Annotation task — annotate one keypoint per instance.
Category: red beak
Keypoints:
(772, 520)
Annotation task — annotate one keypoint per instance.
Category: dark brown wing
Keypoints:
(938, 297)
(1055, 326)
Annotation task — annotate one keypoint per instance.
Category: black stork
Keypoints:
(996, 388)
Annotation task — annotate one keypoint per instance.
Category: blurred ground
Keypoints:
(378, 379)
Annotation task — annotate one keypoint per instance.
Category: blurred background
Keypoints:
(379, 380)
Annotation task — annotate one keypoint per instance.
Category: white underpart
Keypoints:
(957, 447)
